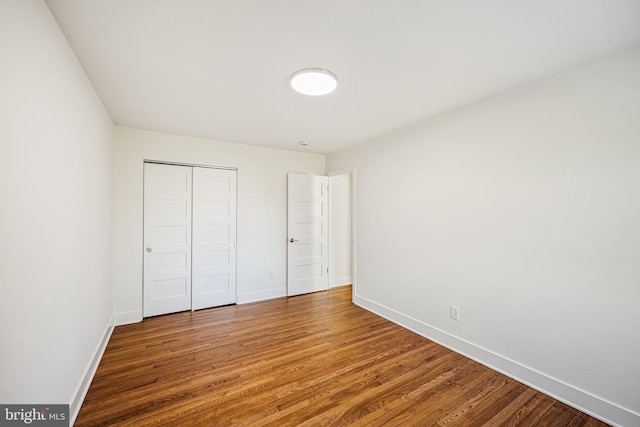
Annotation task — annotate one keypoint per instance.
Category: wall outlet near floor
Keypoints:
(454, 312)
(270, 275)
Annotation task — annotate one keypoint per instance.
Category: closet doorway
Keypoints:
(189, 238)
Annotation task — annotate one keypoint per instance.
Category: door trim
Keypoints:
(193, 165)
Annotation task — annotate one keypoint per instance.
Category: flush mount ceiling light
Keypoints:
(314, 81)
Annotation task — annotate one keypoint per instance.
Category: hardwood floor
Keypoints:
(311, 360)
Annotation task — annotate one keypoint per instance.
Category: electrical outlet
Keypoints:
(271, 275)
(454, 312)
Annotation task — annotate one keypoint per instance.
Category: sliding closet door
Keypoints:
(214, 237)
(167, 239)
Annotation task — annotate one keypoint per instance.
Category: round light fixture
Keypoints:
(314, 81)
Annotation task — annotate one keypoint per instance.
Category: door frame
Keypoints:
(343, 171)
(192, 165)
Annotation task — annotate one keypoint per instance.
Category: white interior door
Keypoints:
(214, 238)
(307, 260)
(167, 239)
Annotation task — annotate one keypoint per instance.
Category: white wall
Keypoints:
(262, 209)
(55, 183)
(340, 230)
(524, 211)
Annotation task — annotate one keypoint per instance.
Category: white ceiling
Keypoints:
(219, 69)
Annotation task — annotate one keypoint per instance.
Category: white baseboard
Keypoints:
(83, 387)
(584, 401)
(261, 295)
(127, 317)
(340, 281)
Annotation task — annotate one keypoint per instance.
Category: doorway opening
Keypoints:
(341, 240)
(321, 228)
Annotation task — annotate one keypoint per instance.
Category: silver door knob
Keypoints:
(148, 249)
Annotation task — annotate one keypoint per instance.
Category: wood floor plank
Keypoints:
(311, 360)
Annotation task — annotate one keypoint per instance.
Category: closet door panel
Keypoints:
(167, 239)
(214, 238)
